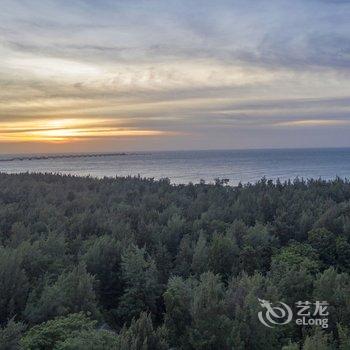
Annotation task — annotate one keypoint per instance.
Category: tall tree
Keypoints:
(72, 292)
(11, 334)
(14, 285)
(141, 335)
(178, 318)
(142, 289)
(210, 324)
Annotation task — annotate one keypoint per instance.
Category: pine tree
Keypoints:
(210, 325)
(10, 335)
(13, 285)
(177, 299)
(141, 335)
(142, 289)
(72, 292)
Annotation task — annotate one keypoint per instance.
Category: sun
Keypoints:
(67, 130)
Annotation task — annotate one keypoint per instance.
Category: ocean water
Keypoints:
(192, 166)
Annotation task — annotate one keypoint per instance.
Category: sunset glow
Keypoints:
(118, 75)
(66, 130)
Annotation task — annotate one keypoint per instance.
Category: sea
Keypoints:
(182, 167)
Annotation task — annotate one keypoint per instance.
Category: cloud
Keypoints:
(68, 130)
(315, 122)
(211, 69)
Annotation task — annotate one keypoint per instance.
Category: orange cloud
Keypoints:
(66, 130)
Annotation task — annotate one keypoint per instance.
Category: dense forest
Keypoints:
(138, 264)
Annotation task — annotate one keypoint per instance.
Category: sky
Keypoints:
(100, 76)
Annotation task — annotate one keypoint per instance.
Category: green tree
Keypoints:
(72, 292)
(48, 335)
(19, 234)
(103, 260)
(319, 341)
(141, 335)
(142, 289)
(45, 256)
(184, 257)
(257, 249)
(210, 325)
(10, 335)
(291, 346)
(223, 254)
(334, 288)
(344, 337)
(343, 254)
(90, 340)
(13, 285)
(243, 306)
(200, 255)
(173, 232)
(177, 299)
(293, 271)
(324, 243)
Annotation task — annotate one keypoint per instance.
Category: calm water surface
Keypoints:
(185, 166)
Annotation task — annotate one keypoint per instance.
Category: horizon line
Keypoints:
(130, 152)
